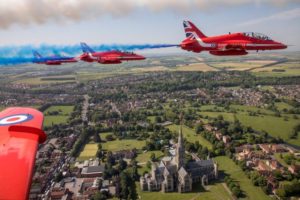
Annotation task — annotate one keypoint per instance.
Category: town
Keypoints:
(220, 134)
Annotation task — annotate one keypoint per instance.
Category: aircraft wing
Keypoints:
(20, 133)
(231, 46)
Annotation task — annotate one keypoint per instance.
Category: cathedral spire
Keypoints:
(180, 146)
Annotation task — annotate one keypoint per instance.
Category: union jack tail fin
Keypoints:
(36, 54)
(85, 48)
(192, 31)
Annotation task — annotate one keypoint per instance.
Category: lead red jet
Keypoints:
(20, 134)
(232, 44)
(107, 57)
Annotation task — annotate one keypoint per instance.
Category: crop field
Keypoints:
(196, 67)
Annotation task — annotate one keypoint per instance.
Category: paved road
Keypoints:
(85, 108)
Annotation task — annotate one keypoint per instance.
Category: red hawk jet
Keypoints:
(232, 44)
(20, 134)
(107, 57)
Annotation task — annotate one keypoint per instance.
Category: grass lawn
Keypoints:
(282, 105)
(190, 135)
(151, 118)
(89, 151)
(61, 118)
(216, 192)
(63, 110)
(275, 126)
(118, 145)
(229, 167)
(144, 157)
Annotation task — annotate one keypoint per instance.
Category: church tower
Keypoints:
(179, 159)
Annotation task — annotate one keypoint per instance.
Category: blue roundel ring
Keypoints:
(15, 119)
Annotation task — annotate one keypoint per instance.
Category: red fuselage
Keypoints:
(236, 43)
(226, 45)
(110, 57)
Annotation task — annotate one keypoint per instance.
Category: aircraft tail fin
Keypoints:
(85, 48)
(36, 54)
(192, 31)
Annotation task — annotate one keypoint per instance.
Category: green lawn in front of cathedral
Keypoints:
(227, 166)
(190, 135)
(216, 191)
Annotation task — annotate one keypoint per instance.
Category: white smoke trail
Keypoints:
(24, 12)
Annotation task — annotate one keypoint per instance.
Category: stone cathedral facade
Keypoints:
(170, 174)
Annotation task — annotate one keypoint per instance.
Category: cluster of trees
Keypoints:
(289, 190)
(83, 138)
(234, 186)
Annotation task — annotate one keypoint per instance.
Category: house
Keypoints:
(92, 171)
(226, 139)
(294, 169)
(272, 148)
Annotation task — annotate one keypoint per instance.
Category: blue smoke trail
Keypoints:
(12, 55)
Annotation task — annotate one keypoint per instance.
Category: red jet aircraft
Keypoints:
(20, 134)
(54, 60)
(108, 57)
(232, 44)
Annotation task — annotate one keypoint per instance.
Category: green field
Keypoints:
(144, 157)
(216, 191)
(190, 135)
(89, 151)
(229, 167)
(61, 118)
(275, 126)
(118, 145)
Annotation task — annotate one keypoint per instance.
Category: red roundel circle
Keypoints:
(15, 119)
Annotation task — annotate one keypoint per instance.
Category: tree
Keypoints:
(152, 157)
(96, 138)
(128, 187)
(199, 128)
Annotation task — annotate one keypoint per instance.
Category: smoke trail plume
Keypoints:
(24, 12)
(10, 55)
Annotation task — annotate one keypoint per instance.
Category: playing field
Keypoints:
(227, 166)
(89, 151)
(196, 67)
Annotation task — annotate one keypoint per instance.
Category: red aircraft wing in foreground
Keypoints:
(233, 44)
(20, 133)
(107, 57)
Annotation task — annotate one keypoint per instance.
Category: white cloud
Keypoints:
(24, 12)
(285, 15)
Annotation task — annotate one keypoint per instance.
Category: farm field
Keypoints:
(190, 135)
(196, 67)
(275, 126)
(229, 167)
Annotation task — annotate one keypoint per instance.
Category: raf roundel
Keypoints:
(15, 119)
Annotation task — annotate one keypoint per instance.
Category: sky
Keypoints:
(68, 22)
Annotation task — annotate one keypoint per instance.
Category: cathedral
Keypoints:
(171, 174)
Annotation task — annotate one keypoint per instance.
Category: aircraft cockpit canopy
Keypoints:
(259, 36)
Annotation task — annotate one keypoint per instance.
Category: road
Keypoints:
(85, 107)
